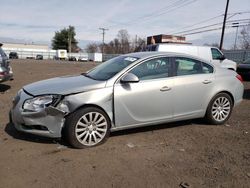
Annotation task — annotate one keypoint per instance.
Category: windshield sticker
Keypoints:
(131, 59)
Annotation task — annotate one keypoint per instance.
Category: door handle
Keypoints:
(206, 81)
(165, 88)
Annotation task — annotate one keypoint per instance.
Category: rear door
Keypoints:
(192, 84)
(149, 100)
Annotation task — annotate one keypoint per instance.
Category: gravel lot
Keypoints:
(166, 155)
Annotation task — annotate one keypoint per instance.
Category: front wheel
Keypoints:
(219, 109)
(87, 127)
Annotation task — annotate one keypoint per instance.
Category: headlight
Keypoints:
(41, 102)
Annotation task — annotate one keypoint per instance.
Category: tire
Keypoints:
(219, 109)
(87, 127)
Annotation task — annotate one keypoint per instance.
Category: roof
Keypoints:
(143, 55)
(181, 44)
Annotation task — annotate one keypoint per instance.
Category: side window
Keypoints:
(153, 69)
(187, 66)
(216, 54)
(207, 68)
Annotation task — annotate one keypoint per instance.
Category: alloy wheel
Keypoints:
(91, 128)
(221, 108)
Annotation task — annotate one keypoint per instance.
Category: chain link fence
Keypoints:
(237, 55)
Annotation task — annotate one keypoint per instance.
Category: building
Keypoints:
(166, 39)
(25, 47)
(25, 51)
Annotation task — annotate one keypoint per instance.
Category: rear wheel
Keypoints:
(219, 109)
(87, 127)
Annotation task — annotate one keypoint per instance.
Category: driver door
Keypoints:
(149, 100)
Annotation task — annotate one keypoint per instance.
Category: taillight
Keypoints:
(239, 77)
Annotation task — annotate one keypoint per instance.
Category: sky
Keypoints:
(37, 20)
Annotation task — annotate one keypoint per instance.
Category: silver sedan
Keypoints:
(131, 90)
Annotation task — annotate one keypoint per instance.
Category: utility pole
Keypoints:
(223, 27)
(236, 24)
(69, 40)
(136, 41)
(103, 35)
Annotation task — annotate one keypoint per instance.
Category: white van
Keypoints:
(211, 54)
(61, 54)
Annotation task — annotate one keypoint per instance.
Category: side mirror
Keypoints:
(222, 57)
(129, 78)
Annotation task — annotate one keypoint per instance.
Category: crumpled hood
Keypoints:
(64, 85)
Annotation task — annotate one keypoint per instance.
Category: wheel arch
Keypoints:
(223, 91)
(66, 131)
(229, 93)
(87, 106)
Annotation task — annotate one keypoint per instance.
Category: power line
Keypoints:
(214, 29)
(209, 19)
(198, 28)
(173, 6)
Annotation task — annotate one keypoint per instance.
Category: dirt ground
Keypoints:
(190, 153)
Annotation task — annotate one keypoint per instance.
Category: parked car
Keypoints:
(244, 69)
(39, 57)
(5, 68)
(72, 58)
(13, 55)
(83, 58)
(211, 54)
(128, 91)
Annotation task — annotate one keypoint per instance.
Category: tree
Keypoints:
(119, 45)
(123, 38)
(245, 37)
(65, 39)
(139, 44)
(92, 48)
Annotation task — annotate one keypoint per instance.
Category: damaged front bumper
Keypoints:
(46, 122)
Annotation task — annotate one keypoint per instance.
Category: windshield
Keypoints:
(110, 68)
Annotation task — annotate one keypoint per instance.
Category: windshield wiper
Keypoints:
(86, 75)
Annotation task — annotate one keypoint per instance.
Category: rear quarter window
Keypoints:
(207, 68)
(216, 54)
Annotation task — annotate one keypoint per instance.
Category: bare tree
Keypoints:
(140, 44)
(92, 48)
(123, 38)
(245, 37)
(119, 45)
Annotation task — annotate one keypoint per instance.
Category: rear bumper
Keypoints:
(6, 74)
(238, 96)
(5, 77)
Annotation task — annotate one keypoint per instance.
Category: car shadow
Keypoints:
(159, 127)
(4, 88)
(11, 131)
(246, 94)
